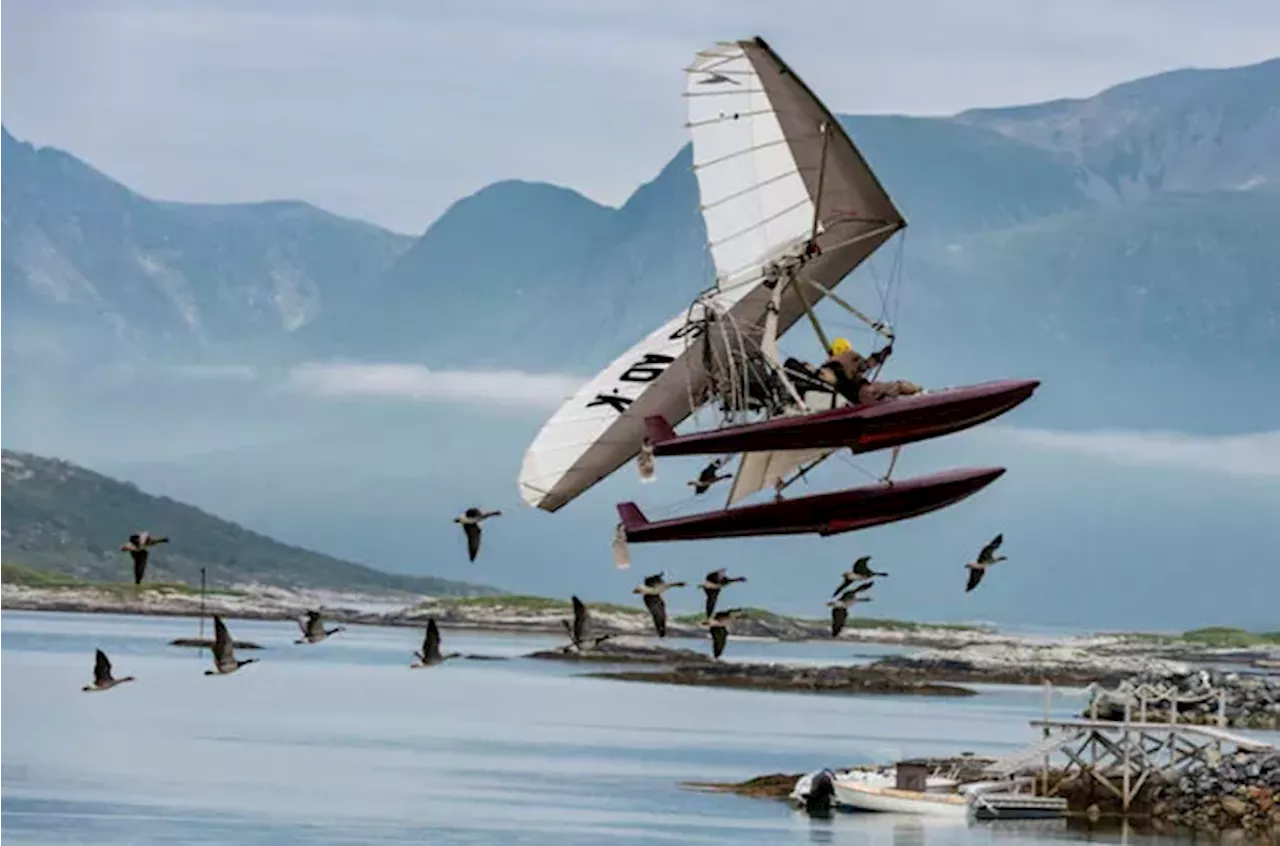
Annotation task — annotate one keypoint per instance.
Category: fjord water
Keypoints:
(340, 742)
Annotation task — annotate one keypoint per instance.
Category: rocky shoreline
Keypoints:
(1247, 701)
(1240, 792)
(265, 602)
(783, 678)
(950, 654)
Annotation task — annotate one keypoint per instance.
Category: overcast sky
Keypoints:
(389, 111)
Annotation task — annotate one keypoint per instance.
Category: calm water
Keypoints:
(341, 743)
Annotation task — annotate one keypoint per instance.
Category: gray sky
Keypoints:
(389, 111)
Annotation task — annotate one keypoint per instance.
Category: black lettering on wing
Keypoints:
(647, 369)
(693, 330)
(617, 402)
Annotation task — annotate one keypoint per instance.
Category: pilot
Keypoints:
(846, 371)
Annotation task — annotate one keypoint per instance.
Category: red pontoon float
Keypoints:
(860, 428)
(822, 514)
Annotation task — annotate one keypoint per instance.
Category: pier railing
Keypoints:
(1121, 756)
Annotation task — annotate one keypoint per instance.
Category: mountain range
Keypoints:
(1119, 247)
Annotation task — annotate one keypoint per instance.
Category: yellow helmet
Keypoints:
(840, 346)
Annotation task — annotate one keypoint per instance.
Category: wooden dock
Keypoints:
(1123, 755)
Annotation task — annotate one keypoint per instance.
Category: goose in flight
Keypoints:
(860, 572)
(138, 548)
(313, 630)
(718, 624)
(714, 582)
(986, 558)
(652, 591)
(470, 521)
(840, 607)
(577, 630)
(709, 476)
(224, 656)
(430, 654)
(102, 678)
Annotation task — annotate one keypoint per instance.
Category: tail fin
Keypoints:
(632, 518)
(658, 429)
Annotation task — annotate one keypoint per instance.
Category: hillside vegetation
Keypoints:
(63, 525)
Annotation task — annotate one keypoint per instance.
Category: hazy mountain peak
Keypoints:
(1185, 130)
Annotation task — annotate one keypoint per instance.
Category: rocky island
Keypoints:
(783, 677)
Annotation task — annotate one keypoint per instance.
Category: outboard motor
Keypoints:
(822, 792)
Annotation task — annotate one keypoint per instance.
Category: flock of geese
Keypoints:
(853, 588)
(225, 661)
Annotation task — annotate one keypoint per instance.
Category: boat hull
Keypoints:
(861, 428)
(869, 797)
(822, 514)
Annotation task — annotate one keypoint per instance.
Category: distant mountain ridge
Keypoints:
(90, 263)
(1130, 233)
(1186, 130)
(61, 518)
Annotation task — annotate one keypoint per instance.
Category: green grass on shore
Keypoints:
(530, 603)
(1213, 637)
(1226, 637)
(768, 617)
(18, 574)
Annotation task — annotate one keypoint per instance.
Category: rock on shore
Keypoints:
(624, 652)
(781, 677)
(1061, 664)
(1241, 792)
(1251, 700)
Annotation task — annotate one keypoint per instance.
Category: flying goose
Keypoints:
(224, 656)
(986, 558)
(102, 679)
(859, 573)
(652, 590)
(137, 547)
(430, 654)
(577, 630)
(713, 583)
(709, 476)
(840, 607)
(470, 521)
(313, 630)
(719, 631)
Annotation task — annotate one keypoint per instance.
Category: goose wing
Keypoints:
(860, 588)
(472, 531)
(431, 645)
(654, 580)
(844, 583)
(101, 668)
(719, 637)
(139, 557)
(223, 652)
(989, 550)
(712, 595)
(861, 568)
(975, 576)
(579, 620)
(657, 610)
(838, 616)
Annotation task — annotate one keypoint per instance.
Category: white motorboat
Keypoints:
(883, 777)
(866, 796)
